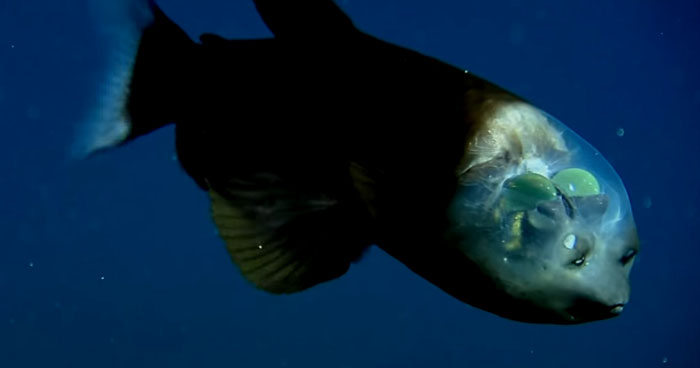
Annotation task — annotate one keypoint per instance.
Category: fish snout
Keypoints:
(589, 310)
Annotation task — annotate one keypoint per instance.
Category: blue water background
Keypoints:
(114, 261)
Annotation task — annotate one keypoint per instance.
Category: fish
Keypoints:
(322, 141)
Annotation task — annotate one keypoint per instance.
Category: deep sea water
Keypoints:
(114, 262)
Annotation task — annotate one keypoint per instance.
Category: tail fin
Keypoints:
(141, 83)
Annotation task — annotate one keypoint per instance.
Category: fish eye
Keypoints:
(576, 182)
(628, 256)
(525, 191)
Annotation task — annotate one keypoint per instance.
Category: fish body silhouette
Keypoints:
(323, 140)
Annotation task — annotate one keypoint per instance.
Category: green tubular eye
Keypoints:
(525, 191)
(576, 182)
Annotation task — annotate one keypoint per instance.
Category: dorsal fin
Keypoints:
(212, 39)
(304, 19)
(284, 241)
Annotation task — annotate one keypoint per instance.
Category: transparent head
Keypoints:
(544, 216)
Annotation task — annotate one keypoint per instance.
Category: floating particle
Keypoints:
(646, 202)
(31, 264)
(620, 132)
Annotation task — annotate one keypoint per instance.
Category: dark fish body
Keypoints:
(323, 140)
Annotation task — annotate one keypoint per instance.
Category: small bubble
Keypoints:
(102, 277)
(620, 132)
(664, 360)
(31, 264)
(12, 46)
(646, 202)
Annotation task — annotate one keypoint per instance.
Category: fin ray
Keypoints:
(284, 241)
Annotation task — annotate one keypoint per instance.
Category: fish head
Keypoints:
(543, 217)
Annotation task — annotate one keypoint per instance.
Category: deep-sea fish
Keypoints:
(323, 140)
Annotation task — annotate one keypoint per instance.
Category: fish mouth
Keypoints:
(616, 309)
(589, 312)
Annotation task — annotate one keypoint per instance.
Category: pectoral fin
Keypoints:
(284, 241)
